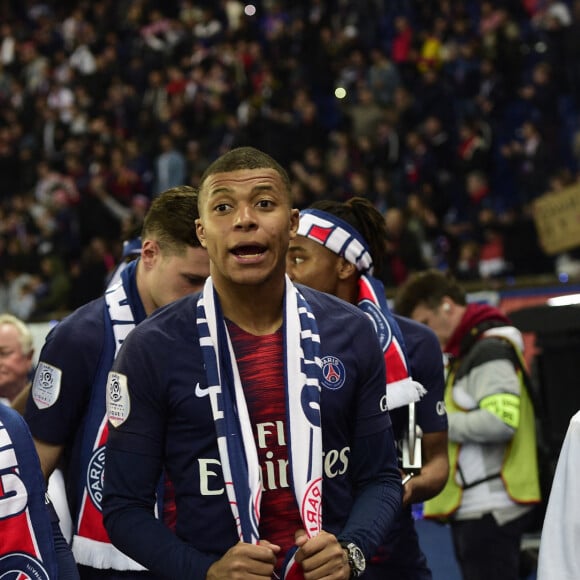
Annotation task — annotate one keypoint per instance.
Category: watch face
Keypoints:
(357, 559)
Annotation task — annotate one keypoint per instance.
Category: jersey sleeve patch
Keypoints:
(118, 401)
(46, 385)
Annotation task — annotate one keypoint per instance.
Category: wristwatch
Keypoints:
(356, 559)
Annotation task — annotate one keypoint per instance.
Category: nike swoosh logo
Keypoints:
(199, 392)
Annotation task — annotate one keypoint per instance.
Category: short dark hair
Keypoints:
(427, 288)
(245, 158)
(171, 219)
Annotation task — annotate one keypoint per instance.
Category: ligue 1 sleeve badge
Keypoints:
(118, 402)
(46, 385)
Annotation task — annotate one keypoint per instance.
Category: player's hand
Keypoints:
(407, 489)
(245, 561)
(321, 557)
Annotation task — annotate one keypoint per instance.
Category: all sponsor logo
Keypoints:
(333, 373)
(46, 385)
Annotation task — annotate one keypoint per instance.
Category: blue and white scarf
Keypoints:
(236, 444)
(91, 544)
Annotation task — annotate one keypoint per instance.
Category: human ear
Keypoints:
(294, 220)
(345, 269)
(149, 251)
(200, 231)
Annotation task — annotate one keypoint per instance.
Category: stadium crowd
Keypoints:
(450, 116)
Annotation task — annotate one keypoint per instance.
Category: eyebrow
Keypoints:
(296, 248)
(271, 188)
(255, 189)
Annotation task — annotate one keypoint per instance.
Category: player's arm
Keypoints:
(59, 395)
(492, 393)
(49, 456)
(427, 367)
(19, 403)
(434, 471)
(134, 462)
(373, 470)
(377, 487)
(129, 518)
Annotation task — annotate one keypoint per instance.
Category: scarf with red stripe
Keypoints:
(26, 541)
(470, 327)
(91, 544)
(237, 448)
(344, 240)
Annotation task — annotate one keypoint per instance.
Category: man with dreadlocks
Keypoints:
(338, 247)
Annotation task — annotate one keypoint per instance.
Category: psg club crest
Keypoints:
(21, 567)
(333, 373)
(46, 385)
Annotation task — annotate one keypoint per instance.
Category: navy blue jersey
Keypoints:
(70, 355)
(426, 367)
(67, 368)
(169, 424)
(400, 556)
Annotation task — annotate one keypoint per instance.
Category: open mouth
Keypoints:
(248, 252)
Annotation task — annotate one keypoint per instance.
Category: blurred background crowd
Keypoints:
(452, 116)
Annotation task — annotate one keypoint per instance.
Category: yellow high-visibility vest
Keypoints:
(519, 470)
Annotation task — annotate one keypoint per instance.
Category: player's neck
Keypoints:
(347, 290)
(255, 309)
(143, 289)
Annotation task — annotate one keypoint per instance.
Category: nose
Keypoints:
(245, 217)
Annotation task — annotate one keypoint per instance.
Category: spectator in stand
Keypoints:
(52, 295)
(16, 357)
(139, 71)
(542, 95)
(491, 95)
(89, 274)
(403, 250)
(170, 165)
(474, 147)
(531, 159)
(383, 77)
(401, 48)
